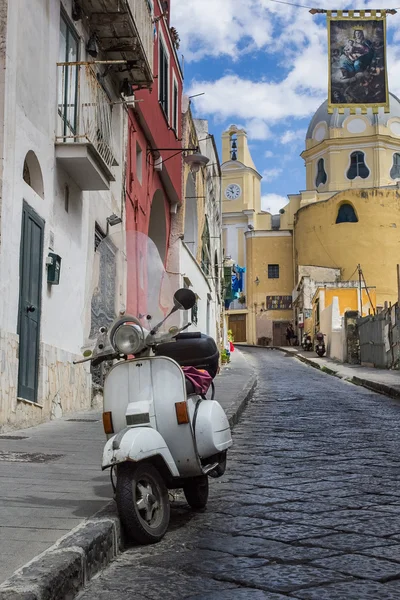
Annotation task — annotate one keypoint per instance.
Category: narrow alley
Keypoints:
(308, 509)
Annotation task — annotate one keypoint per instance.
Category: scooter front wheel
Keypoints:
(142, 501)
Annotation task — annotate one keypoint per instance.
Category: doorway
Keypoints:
(31, 268)
(279, 333)
(237, 323)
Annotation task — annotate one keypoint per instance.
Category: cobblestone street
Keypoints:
(309, 507)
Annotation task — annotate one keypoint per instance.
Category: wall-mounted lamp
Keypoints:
(257, 281)
(196, 161)
(113, 220)
(92, 46)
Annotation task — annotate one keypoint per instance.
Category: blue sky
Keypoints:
(263, 66)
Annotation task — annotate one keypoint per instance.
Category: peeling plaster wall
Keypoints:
(63, 387)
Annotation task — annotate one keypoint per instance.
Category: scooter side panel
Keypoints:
(212, 430)
(138, 444)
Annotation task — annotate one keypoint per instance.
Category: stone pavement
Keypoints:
(51, 478)
(380, 380)
(309, 507)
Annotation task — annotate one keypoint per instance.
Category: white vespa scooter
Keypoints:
(161, 434)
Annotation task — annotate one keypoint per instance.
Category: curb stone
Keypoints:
(61, 571)
(373, 386)
(241, 401)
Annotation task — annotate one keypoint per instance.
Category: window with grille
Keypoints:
(395, 170)
(273, 271)
(358, 168)
(68, 79)
(346, 214)
(322, 177)
(163, 79)
(175, 108)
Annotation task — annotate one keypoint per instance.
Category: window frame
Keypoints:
(342, 205)
(272, 270)
(395, 165)
(63, 112)
(164, 76)
(175, 104)
(358, 152)
(139, 171)
(317, 185)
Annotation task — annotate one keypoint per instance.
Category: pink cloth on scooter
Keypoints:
(200, 379)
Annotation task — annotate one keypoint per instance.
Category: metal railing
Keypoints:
(142, 16)
(84, 110)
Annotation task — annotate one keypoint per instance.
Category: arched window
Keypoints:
(32, 173)
(395, 170)
(322, 177)
(346, 214)
(206, 249)
(358, 168)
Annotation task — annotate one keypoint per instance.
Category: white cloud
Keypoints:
(269, 154)
(221, 27)
(290, 136)
(257, 129)
(271, 174)
(245, 99)
(273, 203)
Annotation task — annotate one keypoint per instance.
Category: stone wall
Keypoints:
(63, 387)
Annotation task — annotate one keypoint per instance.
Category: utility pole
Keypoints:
(360, 288)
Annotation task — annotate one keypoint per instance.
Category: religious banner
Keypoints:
(357, 60)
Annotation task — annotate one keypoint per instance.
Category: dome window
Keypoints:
(346, 214)
(322, 177)
(395, 170)
(358, 168)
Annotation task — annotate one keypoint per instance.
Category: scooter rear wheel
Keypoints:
(196, 492)
(142, 501)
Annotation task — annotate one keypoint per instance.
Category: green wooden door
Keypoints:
(31, 261)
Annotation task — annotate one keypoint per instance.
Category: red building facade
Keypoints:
(154, 157)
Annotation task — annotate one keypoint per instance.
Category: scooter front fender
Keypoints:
(136, 444)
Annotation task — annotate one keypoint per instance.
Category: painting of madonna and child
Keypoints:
(357, 71)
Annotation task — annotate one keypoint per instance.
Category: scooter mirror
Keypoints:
(184, 299)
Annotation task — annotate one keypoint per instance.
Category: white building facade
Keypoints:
(62, 147)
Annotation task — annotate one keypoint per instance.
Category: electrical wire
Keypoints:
(292, 4)
(313, 7)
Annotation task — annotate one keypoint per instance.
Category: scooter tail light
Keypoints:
(108, 423)
(182, 414)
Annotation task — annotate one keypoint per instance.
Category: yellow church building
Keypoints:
(349, 215)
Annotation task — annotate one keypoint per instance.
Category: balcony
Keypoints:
(84, 144)
(125, 31)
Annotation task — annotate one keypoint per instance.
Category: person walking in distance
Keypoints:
(289, 334)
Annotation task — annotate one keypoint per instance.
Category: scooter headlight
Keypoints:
(128, 339)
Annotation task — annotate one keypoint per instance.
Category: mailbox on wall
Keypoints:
(53, 268)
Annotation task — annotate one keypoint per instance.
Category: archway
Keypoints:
(158, 224)
(191, 219)
(32, 173)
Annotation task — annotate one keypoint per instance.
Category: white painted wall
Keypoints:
(332, 326)
(30, 92)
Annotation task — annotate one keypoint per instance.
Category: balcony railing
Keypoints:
(141, 12)
(125, 30)
(84, 111)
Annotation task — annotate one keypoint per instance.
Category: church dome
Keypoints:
(322, 119)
